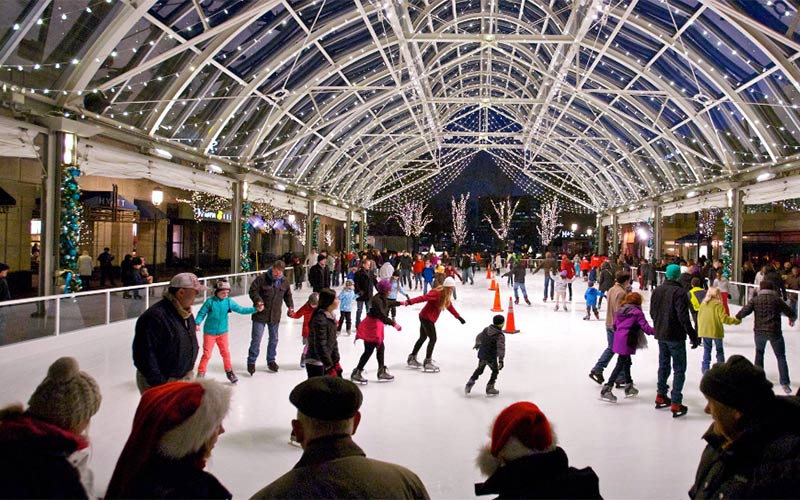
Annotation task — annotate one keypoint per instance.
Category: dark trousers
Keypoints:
(779, 348)
(344, 316)
(393, 312)
(622, 367)
(569, 287)
(105, 274)
(427, 330)
(591, 309)
(369, 347)
(482, 364)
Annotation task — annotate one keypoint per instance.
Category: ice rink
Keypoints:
(424, 421)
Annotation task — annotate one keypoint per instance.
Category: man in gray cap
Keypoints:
(753, 448)
(332, 465)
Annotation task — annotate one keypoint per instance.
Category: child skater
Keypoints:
(628, 321)
(721, 283)
(297, 270)
(346, 298)
(710, 318)
(591, 295)
(562, 281)
(305, 312)
(215, 330)
(436, 301)
(428, 274)
(371, 332)
(397, 288)
(491, 346)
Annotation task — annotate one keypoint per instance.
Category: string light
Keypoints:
(458, 209)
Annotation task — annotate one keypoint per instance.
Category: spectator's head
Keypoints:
(322, 259)
(325, 406)
(766, 285)
(696, 282)
(366, 264)
(396, 275)
(795, 271)
(277, 269)
(185, 287)
(67, 397)
(348, 283)
(673, 272)
(737, 392)
(328, 300)
(106, 249)
(632, 298)
(178, 421)
(518, 431)
(384, 286)
(3, 270)
(313, 299)
(622, 277)
(719, 274)
(222, 288)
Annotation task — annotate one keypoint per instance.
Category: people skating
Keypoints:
(450, 271)
(397, 289)
(297, 271)
(615, 295)
(364, 284)
(722, 284)
(322, 356)
(333, 465)
(696, 295)
(215, 312)
(45, 450)
(669, 308)
(428, 274)
(710, 320)
(605, 280)
(562, 282)
(768, 307)
(645, 269)
(591, 295)
(270, 288)
(629, 321)
(753, 443)
(346, 298)
(436, 301)
(371, 332)
(550, 267)
(417, 267)
(523, 460)
(568, 266)
(165, 340)
(305, 312)
(491, 347)
(518, 272)
(175, 428)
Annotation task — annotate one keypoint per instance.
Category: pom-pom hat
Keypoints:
(384, 286)
(526, 423)
(222, 284)
(67, 397)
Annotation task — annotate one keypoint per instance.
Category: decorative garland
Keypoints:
(71, 217)
(315, 235)
(247, 212)
(727, 245)
(353, 230)
(202, 202)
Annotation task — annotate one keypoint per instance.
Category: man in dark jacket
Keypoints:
(768, 307)
(165, 343)
(550, 268)
(605, 280)
(669, 308)
(318, 274)
(753, 448)
(773, 274)
(518, 275)
(363, 284)
(466, 268)
(333, 465)
(271, 288)
(404, 266)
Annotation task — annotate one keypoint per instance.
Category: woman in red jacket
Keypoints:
(436, 301)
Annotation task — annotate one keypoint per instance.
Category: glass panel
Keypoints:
(26, 321)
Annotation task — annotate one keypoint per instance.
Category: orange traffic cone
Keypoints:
(497, 307)
(510, 326)
(492, 285)
(489, 272)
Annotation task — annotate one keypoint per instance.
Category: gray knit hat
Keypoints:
(66, 397)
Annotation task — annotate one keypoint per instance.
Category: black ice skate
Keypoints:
(357, 377)
(383, 375)
(232, 377)
(662, 401)
(251, 368)
(606, 394)
(597, 376)
(630, 390)
(428, 366)
(468, 387)
(678, 410)
(412, 361)
(491, 391)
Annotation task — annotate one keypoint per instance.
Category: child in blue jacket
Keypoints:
(397, 289)
(427, 275)
(215, 331)
(591, 296)
(346, 298)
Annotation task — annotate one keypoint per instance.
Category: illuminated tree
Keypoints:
(504, 213)
(459, 211)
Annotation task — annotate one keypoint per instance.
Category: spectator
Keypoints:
(174, 430)
(270, 288)
(105, 259)
(753, 448)
(523, 460)
(318, 274)
(5, 291)
(333, 465)
(322, 354)
(768, 306)
(165, 343)
(85, 269)
(793, 283)
(364, 284)
(44, 451)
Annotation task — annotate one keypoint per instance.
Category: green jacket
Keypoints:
(710, 319)
(215, 311)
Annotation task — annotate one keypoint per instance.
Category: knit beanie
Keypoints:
(739, 384)
(313, 299)
(525, 422)
(673, 272)
(67, 397)
(384, 286)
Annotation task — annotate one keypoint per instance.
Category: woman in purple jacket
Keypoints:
(627, 323)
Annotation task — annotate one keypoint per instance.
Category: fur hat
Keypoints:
(384, 286)
(519, 430)
(67, 397)
(221, 284)
(739, 384)
(673, 272)
(449, 282)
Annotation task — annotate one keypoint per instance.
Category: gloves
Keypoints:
(462, 320)
(398, 327)
(695, 343)
(500, 364)
(404, 303)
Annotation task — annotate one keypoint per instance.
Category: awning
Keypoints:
(149, 211)
(103, 199)
(6, 200)
(692, 238)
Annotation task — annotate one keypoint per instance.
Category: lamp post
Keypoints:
(157, 197)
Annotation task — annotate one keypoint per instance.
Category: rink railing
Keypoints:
(52, 315)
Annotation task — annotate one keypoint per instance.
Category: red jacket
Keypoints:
(584, 264)
(569, 267)
(304, 312)
(596, 261)
(431, 311)
(418, 266)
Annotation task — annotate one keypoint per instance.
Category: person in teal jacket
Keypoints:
(215, 330)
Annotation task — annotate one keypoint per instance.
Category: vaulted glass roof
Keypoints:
(598, 102)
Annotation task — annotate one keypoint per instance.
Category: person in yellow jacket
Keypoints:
(710, 319)
(696, 296)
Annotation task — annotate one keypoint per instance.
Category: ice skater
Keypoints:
(491, 346)
(305, 312)
(397, 289)
(710, 320)
(591, 295)
(346, 298)
(562, 280)
(371, 332)
(436, 301)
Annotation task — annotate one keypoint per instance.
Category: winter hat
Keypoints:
(673, 272)
(565, 273)
(498, 320)
(67, 397)
(449, 282)
(221, 284)
(327, 398)
(348, 282)
(738, 383)
(313, 299)
(440, 268)
(384, 286)
(524, 422)
(186, 280)
(173, 420)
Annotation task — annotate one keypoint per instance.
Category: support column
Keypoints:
(312, 212)
(362, 229)
(601, 236)
(235, 244)
(51, 208)
(737, 210)
(657, 232)
(348, 232)
(615, 235)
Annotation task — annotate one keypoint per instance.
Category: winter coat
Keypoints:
(584, 265)
(669, 308)
(541, 475)
(85, 267)
(644, 271)
(322, 344)
(386, 271)
(271, 292)
(305, 312)
(34, 459)
(628, 321)
(165, 478)
(428, 274)
(371, 329)
(335, 467)
(768, 307)
(364, 285)
(164, 344)
(215, 311)
(319, 277)
(710, 319)
(592, 274)
(548, 265)
(606, 279)
(562, 282)
(569, 267)
(491, 344)
(418, 266)
(615, 296)
(298, 272)
(346, 298)
(518, 273)
(450, 272)
(696, 296)
(686, 281)
(591, 295)
(431, 311)
(763, 462)
(397, 288)
(774, 276)
(466, 262)
(5, 291)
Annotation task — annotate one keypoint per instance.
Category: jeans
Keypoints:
(405, 277)
(359, 309)
(256, 334)
(707, 344)
(482, 364)
(569, 287)
(520, 286)
(675, 351)
(335, 278)
(417, 280)
(548, 280)
(468, 275)
(779, 348)
(623, 367)
(608, 354)
(425, 286)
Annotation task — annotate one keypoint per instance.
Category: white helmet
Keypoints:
(449, 281)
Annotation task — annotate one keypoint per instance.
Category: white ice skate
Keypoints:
(357, 377)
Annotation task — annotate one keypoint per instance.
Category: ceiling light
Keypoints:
(334, 203)
(280, 187)
(302, 193)
(765, 176)
(163, 153)
(692, 194)
(214, 169)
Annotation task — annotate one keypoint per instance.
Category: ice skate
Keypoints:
(272, 367)
(662, 401)
(251, 368)
(597, 376)
(556, 308)
(384, 375)
(596, 316)
(527, 301)
(565, 308)
(428, 366)
(201, 375)
(357, 377)
(491, 391)
(787, 389)
(586, 318)
(678, 410)
(468, 387)
(516, 301)
(231, 376)
(630, 391)
(606, 394)
(412, 361)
